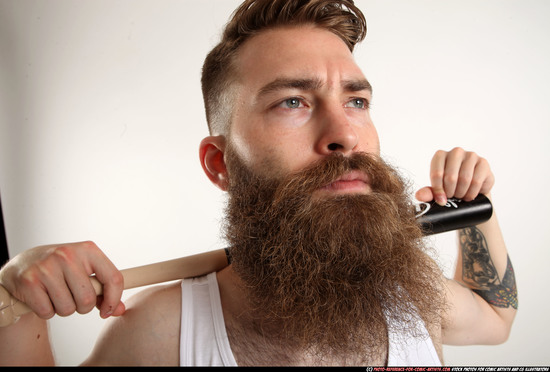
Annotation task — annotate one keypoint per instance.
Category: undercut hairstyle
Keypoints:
(219, 72)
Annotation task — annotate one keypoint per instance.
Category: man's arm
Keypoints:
(482, 297)
(26, 343)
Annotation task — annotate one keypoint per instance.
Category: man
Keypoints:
(328, 266)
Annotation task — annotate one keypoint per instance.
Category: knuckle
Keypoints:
(66, 309)
(45, 314)
(29, 278)
(63, 254)
(116, 279)
(44, 311)
(437, 174)
(44, 270)
(458, 150)
(450, 178)
(476, 183)
(483, 161)
(89, 245)
(86, 303)
(465, 179)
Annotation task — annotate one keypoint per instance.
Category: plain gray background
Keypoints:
(101, 116)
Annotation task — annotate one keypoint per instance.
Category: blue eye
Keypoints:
(359, 103)
(292, 103)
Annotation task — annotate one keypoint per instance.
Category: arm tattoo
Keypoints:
(480, 273)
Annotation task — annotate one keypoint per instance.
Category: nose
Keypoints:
(337, 133)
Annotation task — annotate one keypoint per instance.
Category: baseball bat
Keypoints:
(433, 219)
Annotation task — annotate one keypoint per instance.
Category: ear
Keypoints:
(212, 160)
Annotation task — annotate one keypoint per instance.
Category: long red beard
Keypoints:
(329, 274)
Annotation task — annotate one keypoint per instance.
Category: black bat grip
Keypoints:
(456, 214)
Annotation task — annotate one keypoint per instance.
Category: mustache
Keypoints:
(379, 175)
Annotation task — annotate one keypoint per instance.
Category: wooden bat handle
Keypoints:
(180, 268)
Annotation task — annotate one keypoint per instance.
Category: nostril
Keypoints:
(334, 146)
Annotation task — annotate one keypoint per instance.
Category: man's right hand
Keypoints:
(54, 279)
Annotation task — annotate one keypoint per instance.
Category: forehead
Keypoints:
(298, 52)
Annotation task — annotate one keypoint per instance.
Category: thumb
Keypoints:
(119, 310)
(424, 194)
(427, 194)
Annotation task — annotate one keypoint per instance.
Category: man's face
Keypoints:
(300, 97)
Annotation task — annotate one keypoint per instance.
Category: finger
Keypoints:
(67, 281)
(437, 172)
(82, 291)
(425, 194)
(39, 302)
(33, 284)
(92, 261)
(58, 291)
(466, 174)
(34, 294)
(112, 280)
(112, 293)
(62, 300)
(482, 180)
(120, 309)
(455, 159)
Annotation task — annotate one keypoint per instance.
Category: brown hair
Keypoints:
(341, 17)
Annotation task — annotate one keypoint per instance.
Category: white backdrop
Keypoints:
(101, 116)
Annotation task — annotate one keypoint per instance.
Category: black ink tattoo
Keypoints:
(479, 271)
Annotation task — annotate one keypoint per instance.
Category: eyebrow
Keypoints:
(308, 84)
(357, 85)
(289, 83)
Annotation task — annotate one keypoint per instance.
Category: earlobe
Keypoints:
(211, 154)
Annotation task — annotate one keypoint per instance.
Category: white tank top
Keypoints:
(203, 339)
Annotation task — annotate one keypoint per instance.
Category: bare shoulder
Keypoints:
(148, 332)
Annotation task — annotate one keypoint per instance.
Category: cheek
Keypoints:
(254, 151)
(289, 150)
(373, 143)
(274, 150)
(369, 140)
(277, 158)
